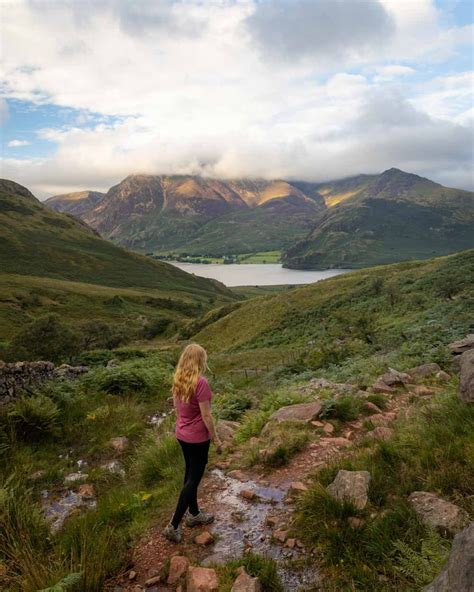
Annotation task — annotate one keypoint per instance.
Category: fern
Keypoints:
(66, 584)
(424, 565)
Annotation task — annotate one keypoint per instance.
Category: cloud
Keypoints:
(18, 143)
(325, 30)
(311, 89)
(4, 111)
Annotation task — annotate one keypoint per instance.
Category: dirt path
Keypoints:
(260, 523)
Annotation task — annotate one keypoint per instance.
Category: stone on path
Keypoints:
(247, 494)
(437, 513)
(280, 535)
(202, 579)
(328, 428)
(423, 391)
(205, 538)
(246, 583)
(351, 486)
(458, 573)
(306, 412)
(298, 486)
(381, 387)
(372, 407)
(466, 381)
(152, 581)
(178, 567)
(394, 378)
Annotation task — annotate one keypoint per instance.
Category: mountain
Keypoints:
(377, 219)
(50, 260)
(198, 214)
(76, 204)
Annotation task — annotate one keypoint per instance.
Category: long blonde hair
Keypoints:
(191, 364)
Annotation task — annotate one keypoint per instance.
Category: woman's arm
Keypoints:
(205, 408)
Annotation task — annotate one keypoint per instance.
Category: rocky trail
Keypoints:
(254, 509)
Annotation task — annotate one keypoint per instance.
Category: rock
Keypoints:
(394, 378)
(114, 467)
(201, 579)
(381, 387)
(247, 494)
(69, 372)
(351, 486)
(280, 535)
(120, 443)
(317, 424)
(355, 522)
(272, 521)
(458, 573)
(339, 442)
(379, 419)
(73, 477)
(466, 380)
(369, 406)
(443, 376)
(463, 345)
(38, 475)
(152, 581)
(132, 575)
(246, 583)
(226, 429)
(290, 543)
(86, 491)
(178, 567)
(205, 538)
(381, 433)
(328, 428)
(303, 412)
(423, 391)
(298, 486)
(437, 513)
(423, 371)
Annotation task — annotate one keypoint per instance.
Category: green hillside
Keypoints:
(363, 316)
(393, 217)
(36, 241)
(53, 263)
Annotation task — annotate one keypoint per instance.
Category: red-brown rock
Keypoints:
(178, 567)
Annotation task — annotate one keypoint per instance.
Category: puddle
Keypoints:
(242, 525)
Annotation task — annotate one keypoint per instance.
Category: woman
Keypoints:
(194, 430)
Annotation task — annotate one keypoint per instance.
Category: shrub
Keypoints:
(34, 417)
(232, 406)
(46, 338)
(344, 408)
(155, 327)
(377, 399)
(265, 568)
(158, 461)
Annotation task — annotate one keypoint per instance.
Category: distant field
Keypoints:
(260, 257)
(252, 291)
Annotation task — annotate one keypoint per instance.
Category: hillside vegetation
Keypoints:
(53, 263)
(352, 325)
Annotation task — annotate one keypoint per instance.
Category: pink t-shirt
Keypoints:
(190, 426)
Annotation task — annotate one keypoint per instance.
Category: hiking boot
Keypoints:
(175, 535)
(199, 519)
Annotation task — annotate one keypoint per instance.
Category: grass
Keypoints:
(418, 458)
(256, 566)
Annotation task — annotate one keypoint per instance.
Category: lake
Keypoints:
(256, 274)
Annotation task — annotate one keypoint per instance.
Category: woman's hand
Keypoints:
(218, 444)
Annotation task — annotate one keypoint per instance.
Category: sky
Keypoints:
(94, 90)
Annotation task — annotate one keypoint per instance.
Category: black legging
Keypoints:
(195, 458)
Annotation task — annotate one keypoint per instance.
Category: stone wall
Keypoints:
(18, 376)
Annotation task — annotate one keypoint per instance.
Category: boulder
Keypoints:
(381, 387)
(424, 371)
(394, 378)
(458, 573)
(437, 513)
(246, 583)
(201, 579)
(466, 380)
(459, 347)
(226, 429)
(178, 567)
(302, 412)
(351, 486)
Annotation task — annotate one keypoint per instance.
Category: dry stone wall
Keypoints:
(15, 377)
